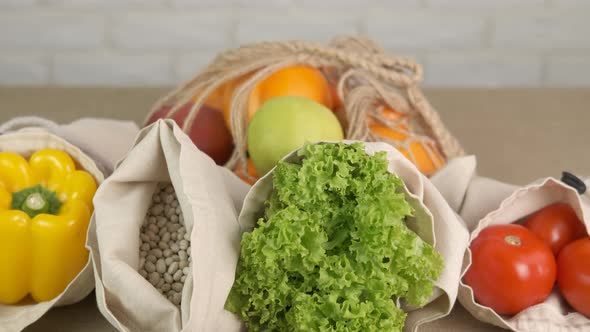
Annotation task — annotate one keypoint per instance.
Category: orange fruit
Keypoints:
(249, 176)
(382, 130)
(427, 163)
(298, 80)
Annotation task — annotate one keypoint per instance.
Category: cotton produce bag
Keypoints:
(485, 202)
(25, 142)
(209, 197)
(434, 221)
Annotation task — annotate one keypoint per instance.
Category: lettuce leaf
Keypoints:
(333, 252)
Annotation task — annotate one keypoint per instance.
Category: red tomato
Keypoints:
(556, 225)
(511, 269)
(573, 275)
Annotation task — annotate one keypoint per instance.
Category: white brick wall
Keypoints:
(485, 43)
(428, 32)
(315, 28)
(109, 69)
(485, 70)
(56, 32)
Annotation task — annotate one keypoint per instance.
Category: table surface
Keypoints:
(518, 135)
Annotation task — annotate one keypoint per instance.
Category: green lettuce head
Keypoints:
(333, 252)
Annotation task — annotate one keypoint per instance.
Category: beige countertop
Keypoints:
(518, 135)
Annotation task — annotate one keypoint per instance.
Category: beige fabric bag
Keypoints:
(486, 202)
(435, 222)
(104, 140)
(25, 142)
(470, 195)
(209, 197)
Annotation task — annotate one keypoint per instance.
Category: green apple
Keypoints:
(283, 124)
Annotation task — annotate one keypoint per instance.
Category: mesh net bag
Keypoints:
(375, 96)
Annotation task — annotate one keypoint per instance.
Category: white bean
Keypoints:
(161, 266)
(169, 199)
(150, 267)
(177, 286)
(157, 209)
(154, 278)
(177, 275)
(157, 252)
(162, 231)
(150, 236)
(162, 222)
(166, 237)
(176, 298)
(173, 268)
(153, 228)
(151, 258)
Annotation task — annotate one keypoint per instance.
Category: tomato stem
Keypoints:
(513, 240)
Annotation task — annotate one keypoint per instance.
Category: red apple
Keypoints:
(208, 132)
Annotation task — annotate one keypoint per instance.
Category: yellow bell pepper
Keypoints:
(45, 208)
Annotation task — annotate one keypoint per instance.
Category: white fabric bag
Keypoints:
(209, 197)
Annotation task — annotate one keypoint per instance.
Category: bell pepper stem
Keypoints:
(35, 203)
(36, 200)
